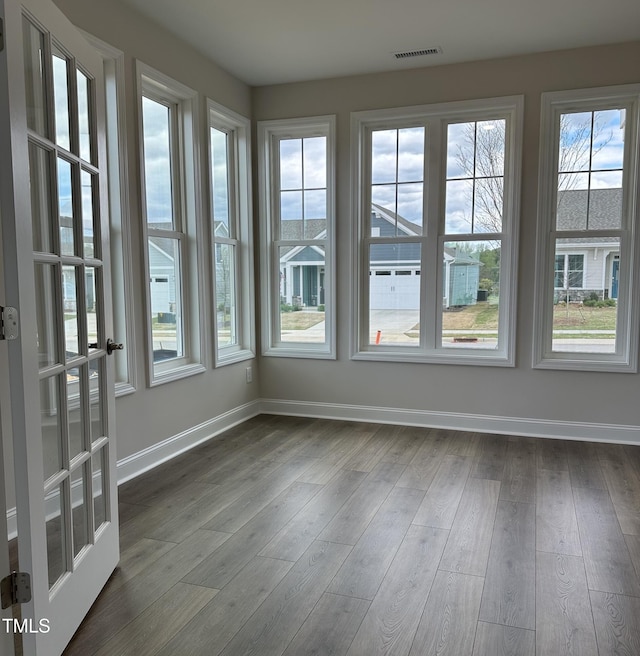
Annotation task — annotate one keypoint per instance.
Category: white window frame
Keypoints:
(238, 130)
(625, 358)
(119, 215)
(435, 119)
(269, 135)
(188, 208)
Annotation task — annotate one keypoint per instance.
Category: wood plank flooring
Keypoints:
(299, 537)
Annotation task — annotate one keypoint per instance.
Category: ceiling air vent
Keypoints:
(418, 53)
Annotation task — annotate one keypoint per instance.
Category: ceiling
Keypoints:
(274, 41)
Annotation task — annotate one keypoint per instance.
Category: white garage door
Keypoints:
(394, 290)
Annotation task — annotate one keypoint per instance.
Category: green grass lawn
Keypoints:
(300, 320)
(575, 316)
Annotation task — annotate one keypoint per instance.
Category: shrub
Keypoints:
(285, 307)
(320, 308)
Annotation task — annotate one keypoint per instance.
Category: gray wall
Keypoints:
(519, 392)
(149, 416)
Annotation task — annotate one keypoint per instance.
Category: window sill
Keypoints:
(232, 357)
(563, 362)
(180, 371)
(440, 356)
(297, 352)
(123, 389)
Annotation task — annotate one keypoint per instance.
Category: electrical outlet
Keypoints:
(249, 372)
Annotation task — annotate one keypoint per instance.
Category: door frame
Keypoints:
(65, 608)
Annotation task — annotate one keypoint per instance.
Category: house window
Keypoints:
(119, 218)
(569, 273)
(169, 174)
(297, 220)
(587, 248)
(229, 160)
(437, 194)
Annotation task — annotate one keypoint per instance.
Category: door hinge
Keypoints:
(15, 589)
(1, 35)
(8, 323)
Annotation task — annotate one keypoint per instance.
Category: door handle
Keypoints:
(113, 346)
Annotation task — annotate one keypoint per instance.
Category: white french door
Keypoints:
(56, 263)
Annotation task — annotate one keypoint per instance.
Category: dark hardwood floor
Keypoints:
(298, 537)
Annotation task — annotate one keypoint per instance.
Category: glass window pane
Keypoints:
(471, 294)
(88, 187)
(45, 288)
(384, 144)
(51, 425)
(410, 204)
(291, 164)
(84, 118)
(315, 162)
(459, 207)
(586, 292)
(605, 202)
(156, 119)
(70, 307)
(461, 139)
(166, 298)
(572, 201)
(96, 392)
(56, 543)
(34, 78)
(226, 311)
(384, 196)
(575, 142)
(61, 98)
(94, 323)
(80, 512)
(411, 155)
(490, 148)
(488, 205)
(302, 294)
(220, 183)
(65, 208)
(608, 139)
(42, 218)
(394, 296)
(76, 390)
(291, 215)
(315, 214)
(98, 480)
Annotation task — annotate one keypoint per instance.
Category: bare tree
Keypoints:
(481, 155)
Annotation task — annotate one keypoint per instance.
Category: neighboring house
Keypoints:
(588, 265)
(302, 268)
(394, 268)
(583, 265)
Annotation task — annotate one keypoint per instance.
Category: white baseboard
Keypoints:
(155, 455)
(565, 430)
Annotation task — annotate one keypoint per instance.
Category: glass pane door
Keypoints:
(57, 271)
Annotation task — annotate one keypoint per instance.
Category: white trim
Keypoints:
(526, 427)
(141, 462)
(187, 232)
(269, 264)
(435, 118)
(625, 359)
(121, 249)
(238, 128)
